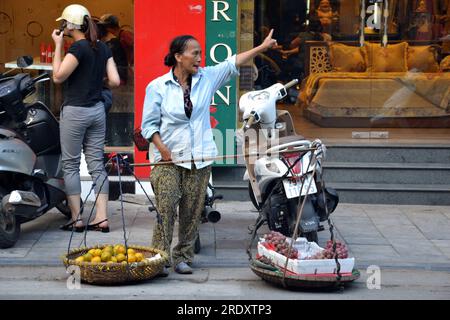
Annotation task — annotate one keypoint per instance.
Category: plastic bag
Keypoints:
(141, 143)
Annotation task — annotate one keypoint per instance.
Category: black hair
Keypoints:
(178, 45)
(315, 26)
(112, 22)
(101, 29)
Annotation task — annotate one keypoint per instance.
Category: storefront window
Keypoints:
(25, 29)
(371, 65)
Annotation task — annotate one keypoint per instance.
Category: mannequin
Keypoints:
(445, 19)
(421, 24)
(422, 7)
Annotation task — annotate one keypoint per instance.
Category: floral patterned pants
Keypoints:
(179, 188)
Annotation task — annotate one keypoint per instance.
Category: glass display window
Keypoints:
(364, 66)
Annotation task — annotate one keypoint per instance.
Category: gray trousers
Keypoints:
(83, 129)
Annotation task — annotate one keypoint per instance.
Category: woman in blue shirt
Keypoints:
(176, 120)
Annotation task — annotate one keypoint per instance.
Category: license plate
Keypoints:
(292, 186)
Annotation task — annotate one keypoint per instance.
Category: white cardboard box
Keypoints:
(298, 266)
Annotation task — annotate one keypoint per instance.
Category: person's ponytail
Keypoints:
(90, 31)
(170, 60)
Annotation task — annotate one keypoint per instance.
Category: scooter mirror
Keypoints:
(24, 61)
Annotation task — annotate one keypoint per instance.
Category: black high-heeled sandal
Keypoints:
(96, 227)
(71, 225)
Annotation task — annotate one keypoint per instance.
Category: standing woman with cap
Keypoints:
(83, 119)
(176, 120)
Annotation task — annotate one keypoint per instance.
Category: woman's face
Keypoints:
(191, 58)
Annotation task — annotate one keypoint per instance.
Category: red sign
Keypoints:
(157, 22)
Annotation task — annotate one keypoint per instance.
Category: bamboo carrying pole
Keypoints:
(160, 163)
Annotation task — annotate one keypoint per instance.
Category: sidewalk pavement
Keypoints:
(387, 236)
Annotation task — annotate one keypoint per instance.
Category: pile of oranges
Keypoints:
(111, 254)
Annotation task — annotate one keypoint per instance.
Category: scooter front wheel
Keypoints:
(311, 236)
(252, 197)
(9, 228)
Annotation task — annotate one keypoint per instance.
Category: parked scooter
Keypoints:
(31, 180)
(283, 167)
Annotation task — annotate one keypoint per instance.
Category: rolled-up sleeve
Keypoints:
(151, 115)
(222, 72)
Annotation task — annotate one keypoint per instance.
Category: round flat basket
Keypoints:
(294, 281)
(113, 273)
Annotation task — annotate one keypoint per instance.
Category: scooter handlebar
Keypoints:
(291, 84)
(28, 87)
(42, 77)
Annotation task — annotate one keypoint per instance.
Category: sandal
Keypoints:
(96, 227)
(71, 226)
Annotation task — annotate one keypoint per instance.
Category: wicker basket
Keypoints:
(117, 273)
(298, 281)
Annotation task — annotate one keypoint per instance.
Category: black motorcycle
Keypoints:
(31, 180)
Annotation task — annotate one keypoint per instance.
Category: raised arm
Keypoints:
(112, 73)
(246, 56)
(62, 68)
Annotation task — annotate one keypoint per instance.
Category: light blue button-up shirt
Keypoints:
(163, 112)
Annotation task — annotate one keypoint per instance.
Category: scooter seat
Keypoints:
(7, 132)
(288, 139)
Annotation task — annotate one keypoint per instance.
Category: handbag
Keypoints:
(141, 143)
(107, 98)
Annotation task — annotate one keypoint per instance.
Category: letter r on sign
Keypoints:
(222, 11)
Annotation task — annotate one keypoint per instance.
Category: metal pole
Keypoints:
(363, 22)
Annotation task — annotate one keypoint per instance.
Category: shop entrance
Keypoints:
(25, 29)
